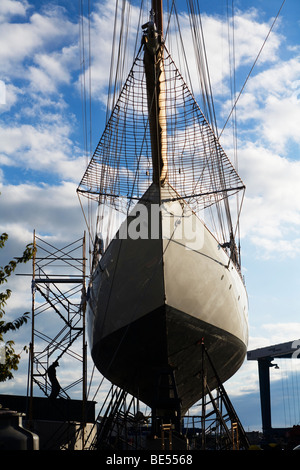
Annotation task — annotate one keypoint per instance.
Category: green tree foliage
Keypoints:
(10, 359)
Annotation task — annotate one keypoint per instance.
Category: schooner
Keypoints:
(164, 283)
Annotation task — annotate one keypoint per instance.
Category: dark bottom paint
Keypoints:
(139, 357)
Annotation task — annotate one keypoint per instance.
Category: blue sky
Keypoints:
(42, 153)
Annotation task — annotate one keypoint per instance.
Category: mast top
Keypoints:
(156, 91)
(157, 7)
(153, 29)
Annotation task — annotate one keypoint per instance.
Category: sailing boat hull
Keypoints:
(136, 358)
(154, 300)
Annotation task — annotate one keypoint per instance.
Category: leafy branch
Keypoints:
(11, 359)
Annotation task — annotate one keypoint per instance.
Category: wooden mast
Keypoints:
(157, 6)
(155, 79)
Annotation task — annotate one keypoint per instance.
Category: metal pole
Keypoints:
(30, 413)
(84, 358)
(264, 365)
(203, 411)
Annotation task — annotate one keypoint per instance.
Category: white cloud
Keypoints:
(101, 29)
(268, 334)
(11, 96)
(2, 93)
(276, 333)
(249, 33)
(271, 105)
(9, 8)
(271, 211)
(40, 134)
(244, 381)
(281, 123)
(43, 38)
(52, 70)
(43, 148)
(53, 211)
(268, 156)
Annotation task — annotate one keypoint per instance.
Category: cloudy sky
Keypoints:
(42, 154)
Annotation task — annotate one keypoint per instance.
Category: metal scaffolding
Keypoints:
(58, 323)
(125, 423)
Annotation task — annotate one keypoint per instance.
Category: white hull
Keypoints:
(153, 300)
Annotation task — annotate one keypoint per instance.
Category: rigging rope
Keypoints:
(251, 70)
(202, 64)
(122, 29)
(86, 99)
(114, 180)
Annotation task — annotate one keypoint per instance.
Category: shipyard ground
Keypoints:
(57, 425)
